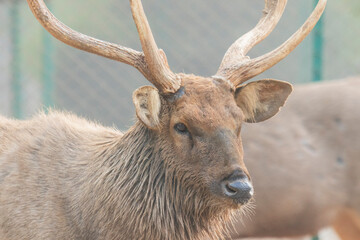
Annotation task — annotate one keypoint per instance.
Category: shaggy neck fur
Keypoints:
(139, 193)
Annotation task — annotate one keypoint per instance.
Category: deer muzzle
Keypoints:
(237, 187)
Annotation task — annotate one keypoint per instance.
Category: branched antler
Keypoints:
(238, 68)
(152, 64)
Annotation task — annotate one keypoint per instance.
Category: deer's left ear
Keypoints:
(260, 100)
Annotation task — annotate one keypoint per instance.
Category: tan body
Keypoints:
(305, 163)
(62, 177)
(43, 163)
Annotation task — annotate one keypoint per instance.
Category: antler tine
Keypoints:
(166, 80)
(237, 51)
(252, 67)
(96, 46)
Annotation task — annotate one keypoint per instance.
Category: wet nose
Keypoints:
(238, 187)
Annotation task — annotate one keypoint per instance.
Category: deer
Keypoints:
(305, 165)
(177, 173)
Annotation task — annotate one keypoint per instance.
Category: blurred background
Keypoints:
(37, 71)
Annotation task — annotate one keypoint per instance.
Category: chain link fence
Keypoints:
(37, 70)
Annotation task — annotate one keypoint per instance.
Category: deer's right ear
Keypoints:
(147, 104)
(262, 99)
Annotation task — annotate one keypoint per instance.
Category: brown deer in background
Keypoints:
(178, 173)
(312, 178)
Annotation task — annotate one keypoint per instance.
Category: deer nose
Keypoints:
(238, 187)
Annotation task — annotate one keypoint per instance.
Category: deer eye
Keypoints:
(181, 128)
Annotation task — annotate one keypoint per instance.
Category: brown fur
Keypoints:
(77, 178)
(62, 177)
(305, 164)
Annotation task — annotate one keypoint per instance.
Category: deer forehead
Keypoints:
(207, 102)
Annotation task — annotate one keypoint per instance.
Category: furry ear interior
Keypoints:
(260, 100)
(147, 104)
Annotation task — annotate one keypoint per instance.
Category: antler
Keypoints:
(154, 60)
(153, 65)
(238, 68)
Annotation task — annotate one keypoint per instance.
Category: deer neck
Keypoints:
(144, 197)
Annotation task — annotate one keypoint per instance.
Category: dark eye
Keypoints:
(181, 128)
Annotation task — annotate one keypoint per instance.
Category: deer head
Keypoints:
(200, 117)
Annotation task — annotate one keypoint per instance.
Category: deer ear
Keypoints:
(260, 100)
(147, 104)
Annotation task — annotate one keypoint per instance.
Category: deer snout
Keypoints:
(238, 187)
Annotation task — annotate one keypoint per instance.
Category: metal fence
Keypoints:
(37, 70)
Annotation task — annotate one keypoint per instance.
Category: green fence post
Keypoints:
(318, 45)
(16, 83)
(48, 69)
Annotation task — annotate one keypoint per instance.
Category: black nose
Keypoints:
(238, 188)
